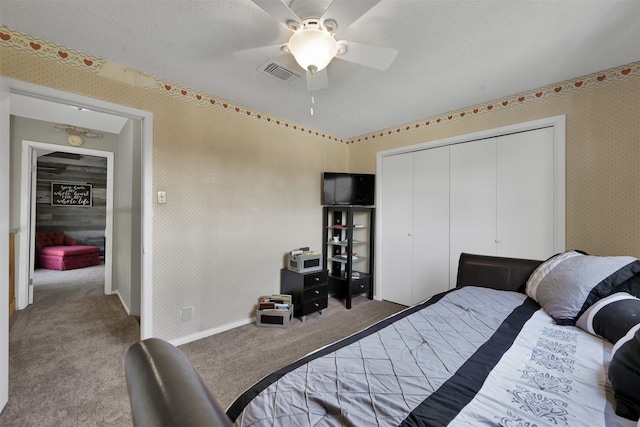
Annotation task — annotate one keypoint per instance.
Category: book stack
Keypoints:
(345, 255)
(274, 302)
(274, 311)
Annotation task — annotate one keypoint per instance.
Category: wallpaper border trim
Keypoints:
(43, 49)
(600, 78)
(53, 52)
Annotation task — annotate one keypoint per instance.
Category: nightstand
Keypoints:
(310, 291)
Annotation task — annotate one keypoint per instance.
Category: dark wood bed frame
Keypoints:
(165, 390)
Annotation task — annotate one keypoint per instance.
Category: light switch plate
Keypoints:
(162, 197)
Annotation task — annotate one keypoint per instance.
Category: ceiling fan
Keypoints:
(75, 134)
(72, 130)
(314, 24)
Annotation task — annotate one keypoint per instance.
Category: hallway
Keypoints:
(66, 354)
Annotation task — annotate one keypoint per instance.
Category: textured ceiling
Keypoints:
(452, 53)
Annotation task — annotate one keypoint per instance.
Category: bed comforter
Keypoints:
(471, 356)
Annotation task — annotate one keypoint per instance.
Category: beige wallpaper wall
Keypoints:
(243, 188)
(241, 193)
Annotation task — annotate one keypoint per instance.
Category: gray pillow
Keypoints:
(568, 283)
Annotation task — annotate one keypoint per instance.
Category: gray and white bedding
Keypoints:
(471, 356)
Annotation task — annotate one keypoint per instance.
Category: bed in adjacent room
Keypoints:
(485, 353)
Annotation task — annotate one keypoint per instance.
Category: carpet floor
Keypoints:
(66, 354)
(66, 351)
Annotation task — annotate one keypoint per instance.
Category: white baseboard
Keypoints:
(126, 307)
(209, 332)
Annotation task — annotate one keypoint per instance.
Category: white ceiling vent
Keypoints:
(279, 71)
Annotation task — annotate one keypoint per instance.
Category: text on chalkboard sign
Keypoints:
(69, 194)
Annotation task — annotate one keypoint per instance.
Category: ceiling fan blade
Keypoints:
(376, 57)
(261, 52)
(317, 80)
(280, 11)
(346, 13)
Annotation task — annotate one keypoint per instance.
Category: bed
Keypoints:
(516, 343)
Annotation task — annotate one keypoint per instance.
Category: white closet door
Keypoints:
(396, 210)
(525, 194)
(473, 201)
(430, 223)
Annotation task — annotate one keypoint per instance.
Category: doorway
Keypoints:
(69, 164)
(14, 92)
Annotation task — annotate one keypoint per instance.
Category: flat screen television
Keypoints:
(355, 189)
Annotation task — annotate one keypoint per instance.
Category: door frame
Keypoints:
(9, 86)
(28, 212)
(559, 143)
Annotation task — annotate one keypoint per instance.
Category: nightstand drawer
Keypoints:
(316, 292)
(359, 286)
(314, 279)
(315, 305)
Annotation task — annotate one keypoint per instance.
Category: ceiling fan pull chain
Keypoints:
(311, 76)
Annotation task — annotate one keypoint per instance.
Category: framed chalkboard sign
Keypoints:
(70, 194)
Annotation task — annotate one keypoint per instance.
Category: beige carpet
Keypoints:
(67, 351)
(66, 354)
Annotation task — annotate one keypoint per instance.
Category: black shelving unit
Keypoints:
(345, 230)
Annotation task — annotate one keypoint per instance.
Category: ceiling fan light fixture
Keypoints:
(313, 48)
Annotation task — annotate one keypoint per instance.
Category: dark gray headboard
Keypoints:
(509, 274)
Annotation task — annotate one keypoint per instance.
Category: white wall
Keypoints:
(122, 219)
(136, 222)
(127, 214)
(4, 244)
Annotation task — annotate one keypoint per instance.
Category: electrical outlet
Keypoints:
(162, 197)
(187, 314)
